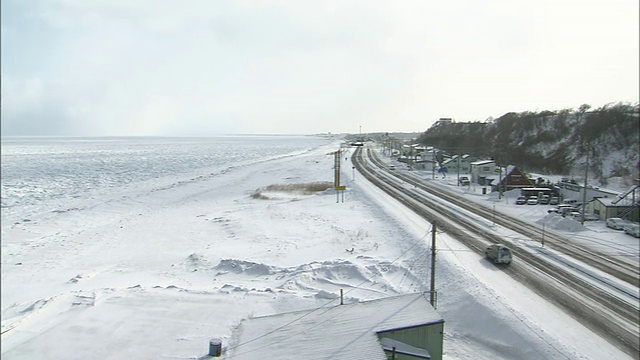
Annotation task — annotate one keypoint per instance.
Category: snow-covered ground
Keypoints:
(159, 274)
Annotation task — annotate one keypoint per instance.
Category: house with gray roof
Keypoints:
(402, 327)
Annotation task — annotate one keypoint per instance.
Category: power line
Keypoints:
(318, 308)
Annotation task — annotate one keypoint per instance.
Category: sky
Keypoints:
(156, 68)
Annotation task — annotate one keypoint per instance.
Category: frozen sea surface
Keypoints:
(43, 174)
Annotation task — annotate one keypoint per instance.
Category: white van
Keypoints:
(498, 253)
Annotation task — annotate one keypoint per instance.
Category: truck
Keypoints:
(498, 253)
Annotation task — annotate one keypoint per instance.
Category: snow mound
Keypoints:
(321, 280)
(511, 194)
(245, 267)
(557, 222)
(279, 191)
(194, 262)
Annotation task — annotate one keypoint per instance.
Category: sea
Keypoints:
(47, 174)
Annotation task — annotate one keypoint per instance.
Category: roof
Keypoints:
(340, 331)
(608, 202)
(454, 158)
(482, 162)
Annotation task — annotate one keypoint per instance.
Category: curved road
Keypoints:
(608, 304)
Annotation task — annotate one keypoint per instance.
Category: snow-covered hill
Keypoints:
(553, 142)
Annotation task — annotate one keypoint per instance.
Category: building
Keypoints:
(443, 121)
(406, 326)
(606, 204)
(458, 162)
(605, 208)
(483, 172)
(512, 178)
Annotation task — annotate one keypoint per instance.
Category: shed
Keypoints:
(605, 208)
(362, 330)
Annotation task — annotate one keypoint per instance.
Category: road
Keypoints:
(600, 291)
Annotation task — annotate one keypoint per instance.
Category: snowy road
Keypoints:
(608, 306)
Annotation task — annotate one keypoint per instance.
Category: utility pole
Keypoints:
(500, 183)
(458, 183)
(433, 160)
(584, 192)
(433, 299)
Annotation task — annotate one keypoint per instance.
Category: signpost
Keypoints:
(336, 176)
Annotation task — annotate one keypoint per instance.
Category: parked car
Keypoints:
(633, 229)
(544, 199)
(498, 253)
(533, 200)
(569, 201)
(464, 181)
(591, 217)
(561, 209)
(554, 200)
(616, 223)
(577, 216)
(521, 200)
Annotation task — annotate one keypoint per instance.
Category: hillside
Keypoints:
(553, 142)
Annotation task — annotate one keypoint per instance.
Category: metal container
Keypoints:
(215, 347)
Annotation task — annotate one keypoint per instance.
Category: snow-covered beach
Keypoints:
(159, 270)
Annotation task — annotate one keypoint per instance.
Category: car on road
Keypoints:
(464, 181)
(633, 229)
(498, 253)
(616, 223)
(521, 200)
(533, 200)
(392, 167)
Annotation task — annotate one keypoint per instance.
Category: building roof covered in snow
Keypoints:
(347, 331)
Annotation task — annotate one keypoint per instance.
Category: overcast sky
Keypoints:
(201, 67)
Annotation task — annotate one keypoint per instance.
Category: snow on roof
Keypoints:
(482, 162)
(342, 331)
(608, 201)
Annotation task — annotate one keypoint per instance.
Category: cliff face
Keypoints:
(553, 142)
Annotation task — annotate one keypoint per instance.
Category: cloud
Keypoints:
(151, 67)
